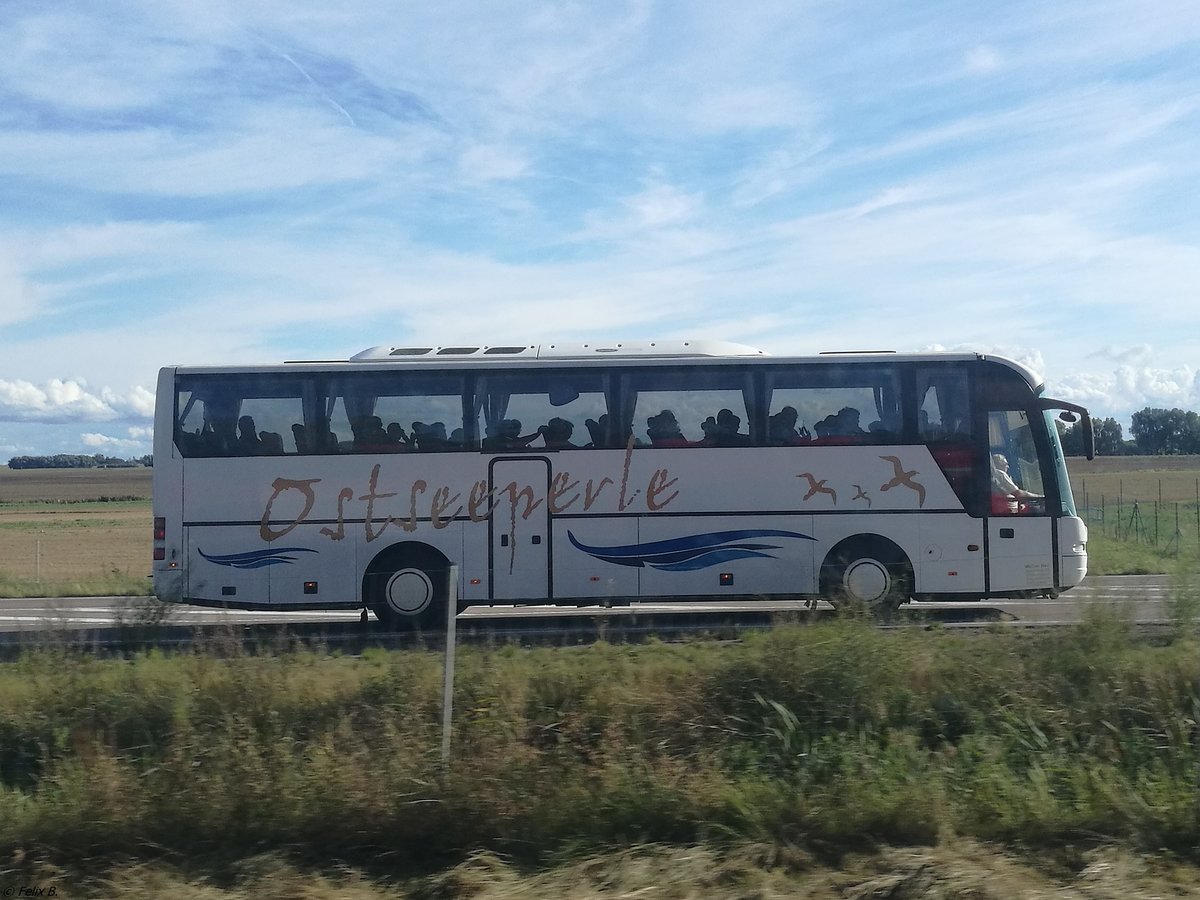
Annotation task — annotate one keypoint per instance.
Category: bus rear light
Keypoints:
(160, 528)
(160, 552)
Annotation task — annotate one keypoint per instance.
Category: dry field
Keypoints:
(1172, 479)
(74, 526)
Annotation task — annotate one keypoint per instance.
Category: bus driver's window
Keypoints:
(1016, 478)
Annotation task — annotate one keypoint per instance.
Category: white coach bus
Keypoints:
(594, 474)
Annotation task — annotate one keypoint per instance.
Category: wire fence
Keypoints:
(1170, 526)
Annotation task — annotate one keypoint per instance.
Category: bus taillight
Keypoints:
(160, 535)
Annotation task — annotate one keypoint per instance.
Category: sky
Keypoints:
(230, 182)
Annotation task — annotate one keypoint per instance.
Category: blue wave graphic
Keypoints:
(256, 559)
(697, 551)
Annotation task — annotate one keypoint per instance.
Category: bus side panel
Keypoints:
(950, 558)
(581, 571)
(705, 556)
(229, 564)
(314, 568)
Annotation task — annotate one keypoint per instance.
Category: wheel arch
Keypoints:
(405, 556)
(866, 545)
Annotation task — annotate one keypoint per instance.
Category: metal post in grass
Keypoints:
(448, 668)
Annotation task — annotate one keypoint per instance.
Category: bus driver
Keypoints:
(1006, 493)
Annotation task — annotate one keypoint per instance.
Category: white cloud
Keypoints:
(114, 446)
(60, 400)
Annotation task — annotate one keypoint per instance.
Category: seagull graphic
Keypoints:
(904, 478)
(817, 487)
(860, 494)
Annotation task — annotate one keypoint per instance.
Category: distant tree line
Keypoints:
(76, 461)
(1154, 432)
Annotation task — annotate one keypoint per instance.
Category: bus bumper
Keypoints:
(1072, 552)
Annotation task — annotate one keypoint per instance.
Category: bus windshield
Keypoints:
(1066, 498)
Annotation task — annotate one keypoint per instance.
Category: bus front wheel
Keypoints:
(870, 575)
(407, 591)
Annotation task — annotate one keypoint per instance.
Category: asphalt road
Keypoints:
(1141, 597)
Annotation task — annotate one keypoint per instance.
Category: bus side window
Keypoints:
(670, 408)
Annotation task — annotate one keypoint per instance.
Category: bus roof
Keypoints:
(702, 352)
(641, 349)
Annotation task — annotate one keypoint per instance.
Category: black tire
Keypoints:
(407, 590)
(870, 575)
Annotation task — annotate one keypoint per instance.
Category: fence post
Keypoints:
(448, 668)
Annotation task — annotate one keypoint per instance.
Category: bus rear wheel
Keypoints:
(407, 591)
(873, 576)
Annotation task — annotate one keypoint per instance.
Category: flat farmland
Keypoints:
(74, 531)
(1172, 479)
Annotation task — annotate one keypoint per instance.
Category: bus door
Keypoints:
(1020, 555)
(519, 529)
(1020, 528)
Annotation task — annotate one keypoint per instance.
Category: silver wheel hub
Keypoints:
(409, 592)
(867, 580)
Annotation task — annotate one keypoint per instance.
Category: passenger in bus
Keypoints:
(841, 427)
(729, 430)
(598, 431)
(506, 435)
(782, 430)
(1006, 493)
(396, 435)
(369, 435)
(300, 438)
(272, 443)
(664, 431)
(429, 437)
(556, 434)
(724, 430)
(847, 422)
(323, 439)
(218, 437)
(248, 441)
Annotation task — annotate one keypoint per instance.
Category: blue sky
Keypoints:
(231, 182)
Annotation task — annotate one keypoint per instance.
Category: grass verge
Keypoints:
(822, 741)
